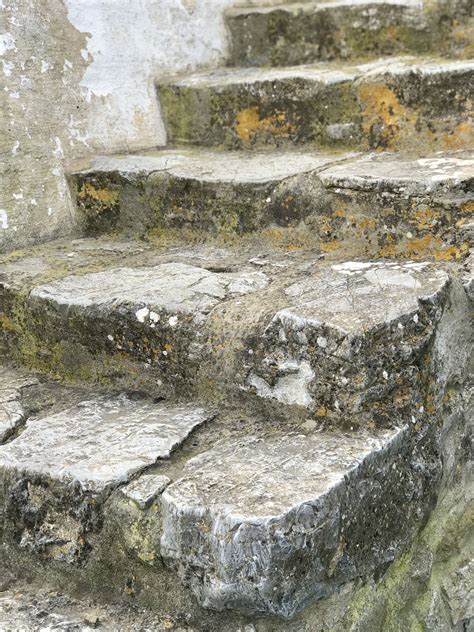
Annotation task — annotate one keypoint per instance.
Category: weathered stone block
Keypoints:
(302, 33)
(57, 475)
(395, 104)
(268, 526)
(149, 318)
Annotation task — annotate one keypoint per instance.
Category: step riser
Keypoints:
(285, 38)
(301, 210)
(391, 112)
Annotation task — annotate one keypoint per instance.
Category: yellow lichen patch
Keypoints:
(104, 196)
(431, 246)
(461, 136)
(249, 124)
(468, 207)
(321, 412)
(331, 246)
(383, 111)
(426, 218)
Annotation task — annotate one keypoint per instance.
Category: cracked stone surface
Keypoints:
(63, 466)
(173, 288)
(269, 525)
(12, 412)
(349, 343)
(411, 176)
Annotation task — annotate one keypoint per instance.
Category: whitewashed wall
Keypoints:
(78, 77)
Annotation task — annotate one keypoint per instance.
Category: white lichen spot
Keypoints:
(416, 318)
(173, 321)
(58, 150)
(7, 42)
(8, 67)
(3, 218)
(385, 375)
(110, 337)
(322, 342)
(50, 211)
(18, 196)
(45, 66)
(15, 148)
(142, 314)
(154, 317)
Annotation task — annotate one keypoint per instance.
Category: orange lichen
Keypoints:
(426, 218)
(383, 109)
(103, 196)
(331, 246)
(249, 124)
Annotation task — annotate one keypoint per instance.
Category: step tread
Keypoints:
(102, 442)
(324, 72)
(209, 166)
(315, 5)
(425, 174)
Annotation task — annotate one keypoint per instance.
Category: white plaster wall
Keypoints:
(78, 78)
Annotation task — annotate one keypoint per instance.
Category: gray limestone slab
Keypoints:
(208, 166)
(349, 342)
(173, 288)
(410, 176)
(145, 489)
(267, 525)
(324, 73)
(100, 443)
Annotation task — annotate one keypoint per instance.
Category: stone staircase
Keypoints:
(243, 395)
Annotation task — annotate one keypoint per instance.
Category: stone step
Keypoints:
(347, 343)
(397, 103)
(265, 520)
(372, 205)
(58, 474)
(271, 526)
(306, 32)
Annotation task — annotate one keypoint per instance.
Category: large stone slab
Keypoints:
(305, 32)
(56, 476)
(267, 526)
(349, 343)
(208, 191)
(388, 104)
(145, 321)
(399, 207)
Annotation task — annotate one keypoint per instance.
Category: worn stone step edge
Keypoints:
(378, 205)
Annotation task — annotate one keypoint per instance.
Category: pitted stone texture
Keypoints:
(12, 412)
(62, 468)
(232, 193)
(268, 525)
(304, 32)
(395, 104)
(351, 343)
(150, 316)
